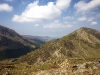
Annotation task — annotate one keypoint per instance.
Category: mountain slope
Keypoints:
(12, 44)
(82, 43)
(75, 54)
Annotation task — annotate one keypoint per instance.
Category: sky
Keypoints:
(54, 18)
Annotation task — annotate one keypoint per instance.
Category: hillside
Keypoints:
(75, 54)
(12, 44)
(82, 43)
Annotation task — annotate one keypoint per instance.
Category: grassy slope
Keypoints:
(83, 43)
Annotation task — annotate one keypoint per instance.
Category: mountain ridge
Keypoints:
(71, 46)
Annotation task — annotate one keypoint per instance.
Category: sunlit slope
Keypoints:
(82, 43)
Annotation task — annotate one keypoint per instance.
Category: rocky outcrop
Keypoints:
(86, 68)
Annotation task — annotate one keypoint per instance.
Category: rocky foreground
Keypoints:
(87, 68)
(67, 67)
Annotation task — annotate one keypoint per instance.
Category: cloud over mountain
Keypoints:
(94, 23)
(56, 24)
(34, 12)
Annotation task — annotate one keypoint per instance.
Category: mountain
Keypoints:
(77, 53)
(82, 43)
(78, 48)
(12, 44)
(38, 38)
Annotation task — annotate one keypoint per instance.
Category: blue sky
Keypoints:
(54, 18)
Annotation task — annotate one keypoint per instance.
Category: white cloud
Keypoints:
(63, 4)
(82, 19)
(98, 15)
(94, 23)
(34, 12)
(9, 0)
(56, 21)
(36, 25)
(68, 17)
(6, 7)
(82, 6)
(90, 19)
(57, 25)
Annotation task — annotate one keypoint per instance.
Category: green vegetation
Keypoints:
(78, 44)
(23, 68)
